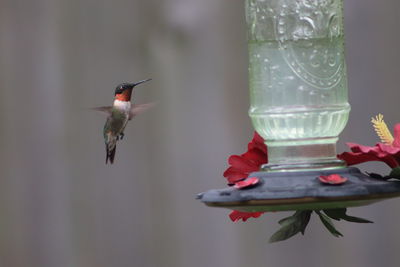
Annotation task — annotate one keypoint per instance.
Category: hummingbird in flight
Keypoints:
(119, 114)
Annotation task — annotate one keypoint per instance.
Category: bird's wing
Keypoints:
(106, 110)
(137, 109)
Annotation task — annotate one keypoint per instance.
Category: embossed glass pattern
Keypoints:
(298, 84)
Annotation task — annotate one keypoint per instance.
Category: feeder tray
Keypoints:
(284, 191)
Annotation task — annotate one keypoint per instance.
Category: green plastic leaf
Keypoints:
(338, 214)
(328, 224)
(305, 219)
(284, 233)
(356, 219)
(288, 220)
(291, 226)
(395, 173)
(335, 214)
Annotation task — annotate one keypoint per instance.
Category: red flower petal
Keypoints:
(239, 215)
(258, 143)
(247, 183)
(242, 165)
(380, 152)
(358, 148)
(334, 179)
(234, 175)
(396, 141)
(240, 162)
(256, 157)
(356, 158)
(385, 149)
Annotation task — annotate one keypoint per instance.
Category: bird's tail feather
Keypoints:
(111, 146)
(110, 154)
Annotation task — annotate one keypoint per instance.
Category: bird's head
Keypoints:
(123, 91)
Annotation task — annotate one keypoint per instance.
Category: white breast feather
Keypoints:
(122, 105)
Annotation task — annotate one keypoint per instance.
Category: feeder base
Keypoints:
(284, 191)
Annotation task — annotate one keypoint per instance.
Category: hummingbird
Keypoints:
(119, 114)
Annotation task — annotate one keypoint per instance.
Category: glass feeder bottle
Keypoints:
(298, 83)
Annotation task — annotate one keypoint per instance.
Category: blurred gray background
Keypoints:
(61, 206)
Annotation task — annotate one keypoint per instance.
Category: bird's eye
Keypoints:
(119, 90)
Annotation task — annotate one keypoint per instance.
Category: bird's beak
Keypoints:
(136, 84)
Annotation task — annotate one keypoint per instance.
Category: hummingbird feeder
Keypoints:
(299, 106)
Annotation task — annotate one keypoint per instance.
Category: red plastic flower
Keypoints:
(247, 183)
(388, 151)
(240, 168)
(333, 179)
(242, 165)
(240, 215)
(380, 152)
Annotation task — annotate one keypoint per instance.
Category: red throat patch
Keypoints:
(124, 96)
